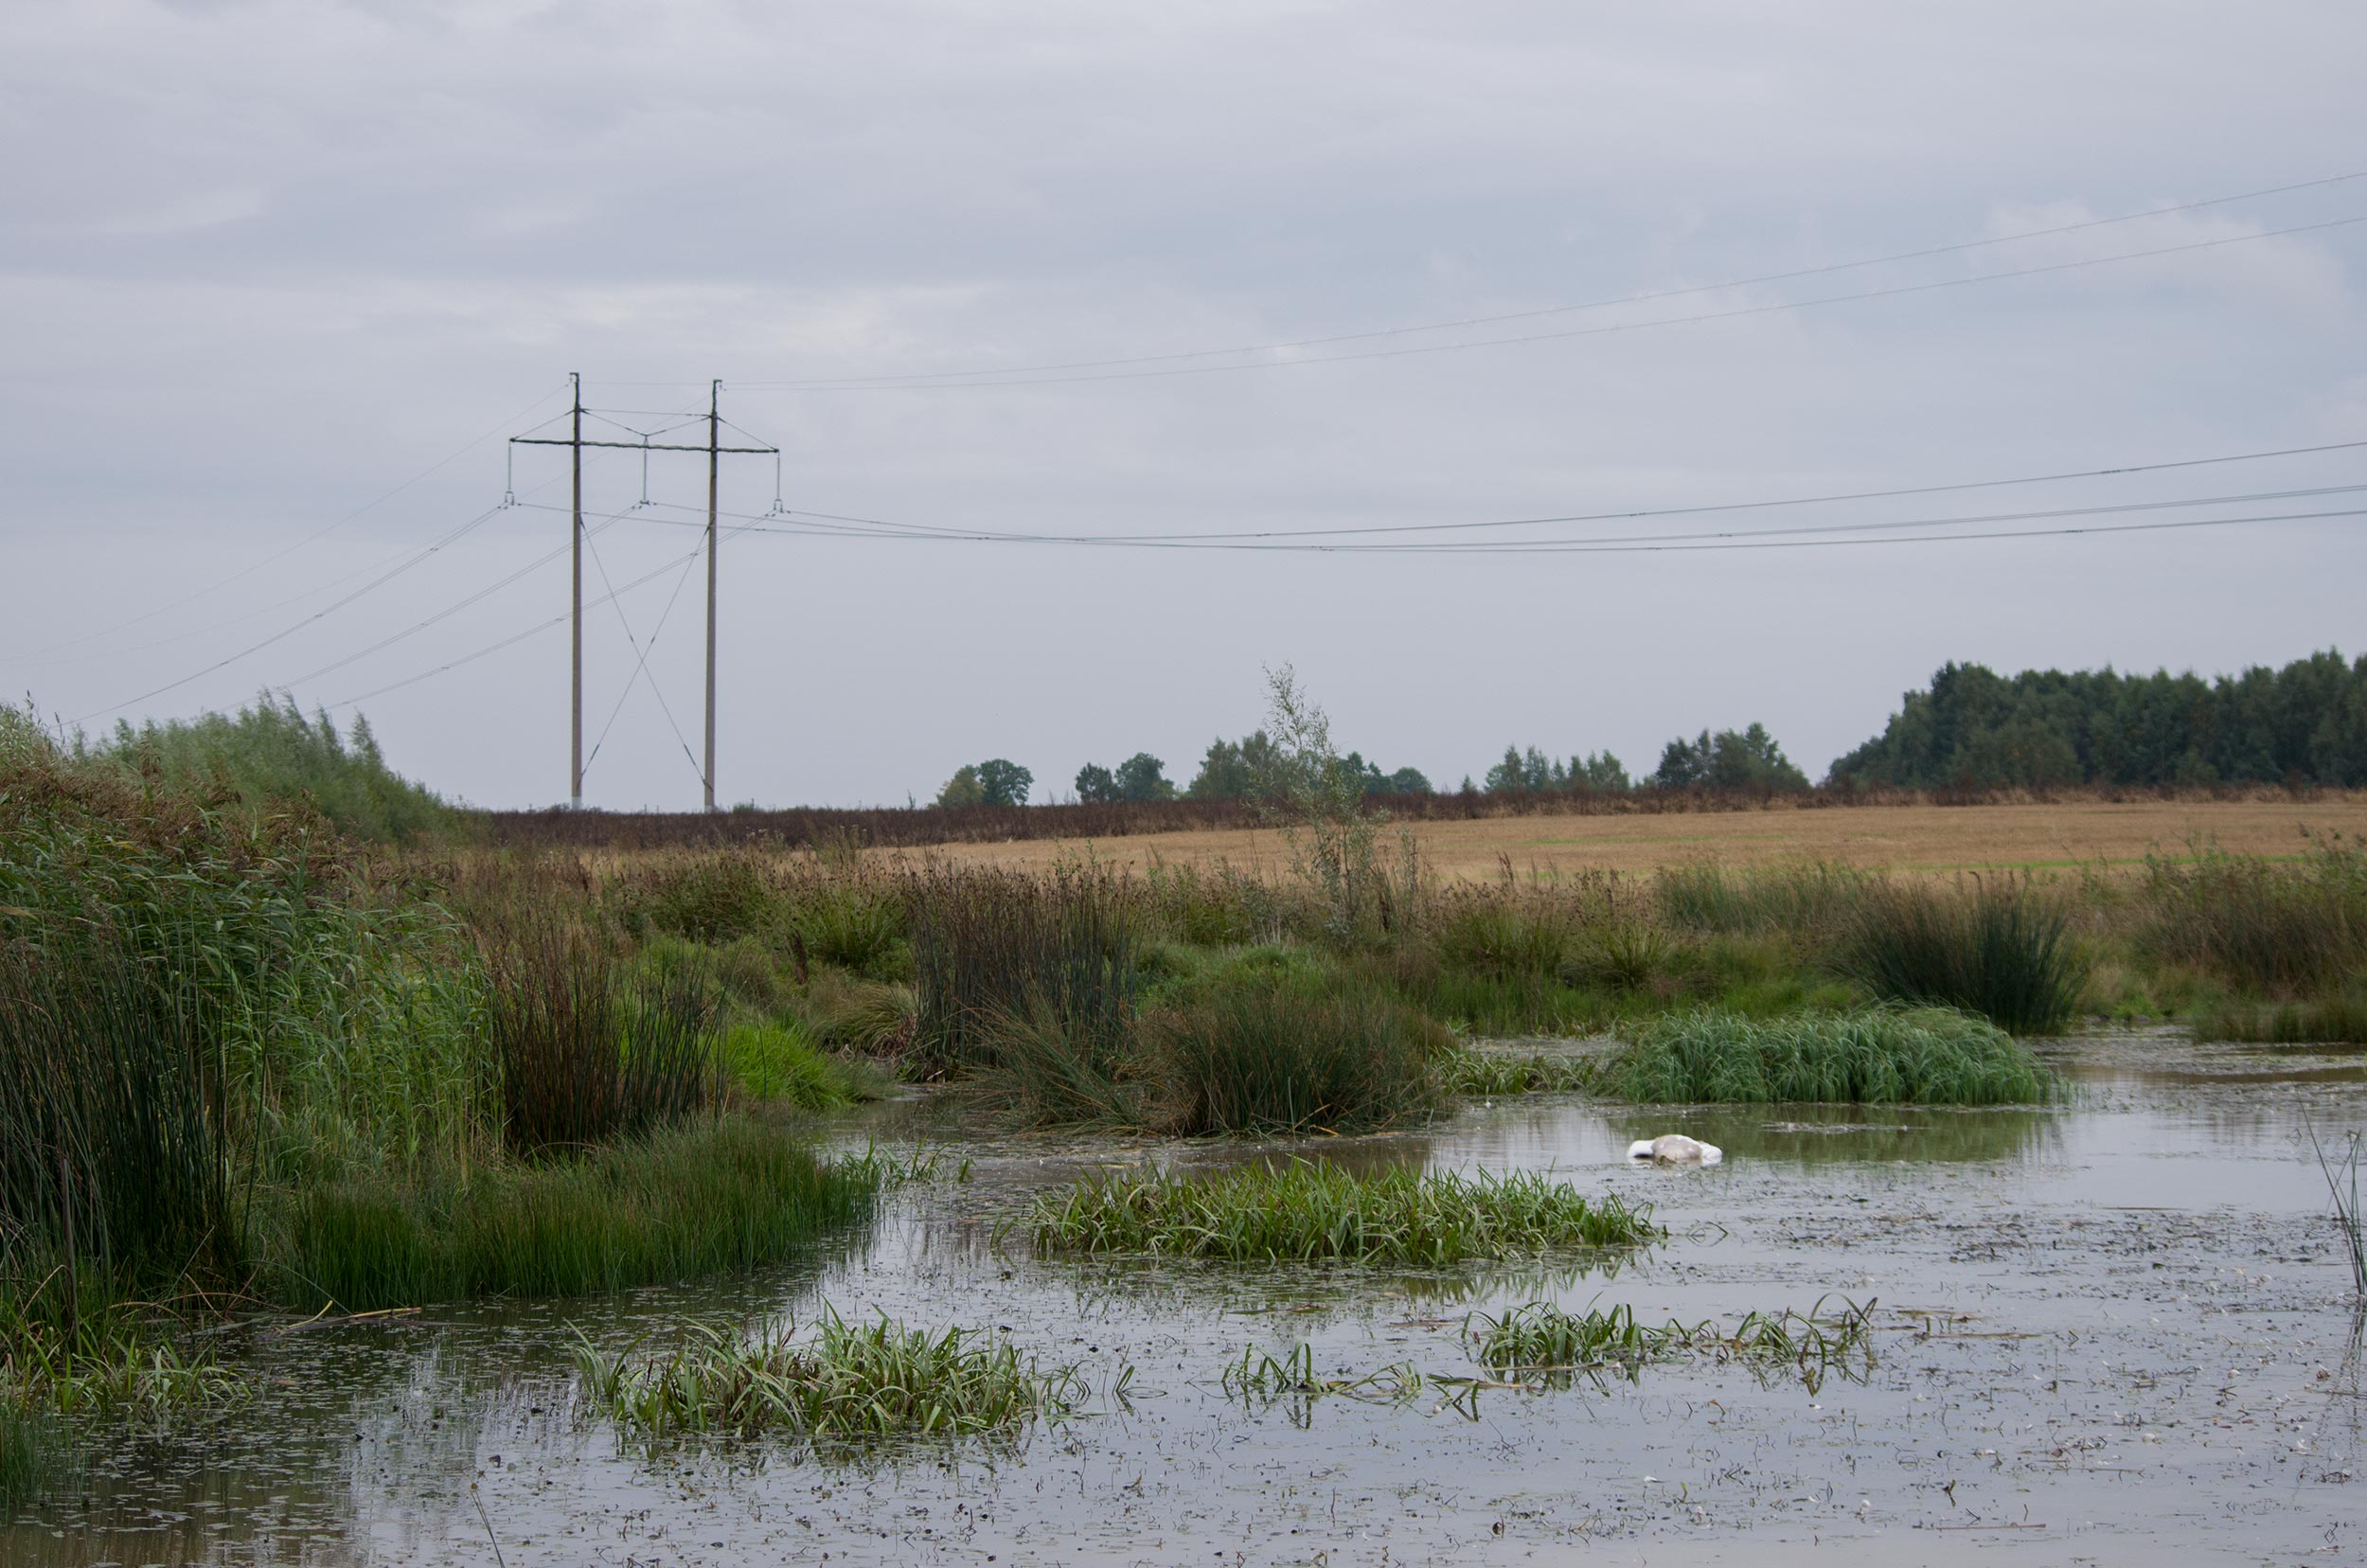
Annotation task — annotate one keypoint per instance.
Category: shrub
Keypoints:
(1309, 1211)
(2003, 951)
(1880, 1056)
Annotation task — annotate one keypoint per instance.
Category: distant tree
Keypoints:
(1004, 783)
(1600, 772)
(1730, 760)
(1232, 770)
(963, 789)
(1095, 786)
(1508, 777)
(1142, 777)
(1407, 781)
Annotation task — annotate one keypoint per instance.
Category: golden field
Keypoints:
(1907, 837)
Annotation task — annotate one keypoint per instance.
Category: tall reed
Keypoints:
(1278, 1057)
(989, 945)
(2003, 949)
(2262, 925)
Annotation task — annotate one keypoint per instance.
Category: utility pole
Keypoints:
(714, 397)
(716, 451)
(574, 694)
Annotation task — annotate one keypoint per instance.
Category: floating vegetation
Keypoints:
(1311, 1211)
(1541, 1341)
(842, 1382)
(1260, 1381)
(1876, 1056)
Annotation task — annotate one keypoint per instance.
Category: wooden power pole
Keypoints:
(716, 451)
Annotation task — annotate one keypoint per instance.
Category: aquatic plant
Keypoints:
(2339, 1019)
(776, 1062)
(1494, 1073)
(2342, 1184)
(2002, 949)
(1542, 1341)
(846, 1384)
(680, 1202)
(31, 1446)
(585, 1056)
(1313, 1211)
(1261, 1379)
(1280, 1057)
(991, 945)
(1876, 1055)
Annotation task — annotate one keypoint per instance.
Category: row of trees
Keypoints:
(1973, 728)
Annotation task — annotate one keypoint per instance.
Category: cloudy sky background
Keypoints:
(261, 266)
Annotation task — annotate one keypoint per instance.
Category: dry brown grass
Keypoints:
(1906, 838)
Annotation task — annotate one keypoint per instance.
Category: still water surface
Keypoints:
(2116, 1332)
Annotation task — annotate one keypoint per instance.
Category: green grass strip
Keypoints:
(1872, 1057)
(1309, 1211)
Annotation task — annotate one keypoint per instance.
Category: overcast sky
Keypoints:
(267, 268)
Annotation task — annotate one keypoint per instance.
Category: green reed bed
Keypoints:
(1278, 1057)
(1540, 1341)
(681, 1203)
(1874, 1057)
(31, 1448)
(1491, 1072)
(2338, 1020)
(1311, 1211)
(845, 1383)
(2000, 946)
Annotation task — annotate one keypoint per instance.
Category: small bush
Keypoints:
(841, 1383)
(1878, 1057)
(1308, 1212)
(675, 1205)
(2004, 950)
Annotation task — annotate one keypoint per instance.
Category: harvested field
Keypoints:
(1917, 837)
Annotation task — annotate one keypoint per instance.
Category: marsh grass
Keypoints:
(841, 1384)
(681, 1203)
(2341, 1176)
(1542, 1342)
(585, 1055)
(2001, 948)
(1495, 1073)
(2259, 923)
(1874, 1057)
(1261, 1379)
(1801, 901)
(2339, 1019)
(1276, 1058)
(1309, 1212)
(989, 946)
(776, 1062)
(31, 1446)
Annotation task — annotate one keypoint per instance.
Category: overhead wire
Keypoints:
(282, 554)
(920, 384)
(641, 662)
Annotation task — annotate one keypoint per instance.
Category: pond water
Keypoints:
(2116, 1332)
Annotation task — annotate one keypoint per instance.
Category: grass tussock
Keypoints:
(1494, 1074)
(1542, 1342)
(776, 1062)
(2001, 948)
(1276, 1059)
(1310, 1212)
(2336, 1020)
(681, 1203)
(989, 946)
(1874, 1057)
(841, 1384)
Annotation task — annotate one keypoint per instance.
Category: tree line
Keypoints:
(1970, 728)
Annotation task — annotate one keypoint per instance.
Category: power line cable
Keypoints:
(1737, 313)
(641, 663)
(282, 554)
(1790, 276)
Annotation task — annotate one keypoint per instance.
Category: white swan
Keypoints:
(1675, 1149)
